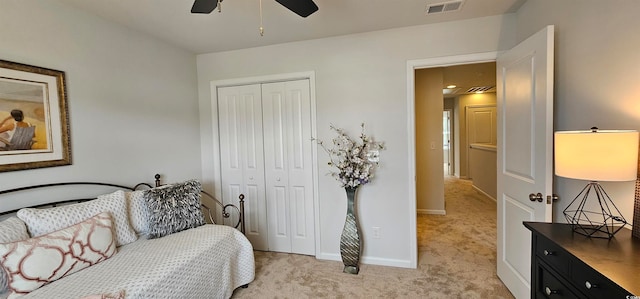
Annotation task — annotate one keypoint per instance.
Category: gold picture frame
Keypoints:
(34, 117)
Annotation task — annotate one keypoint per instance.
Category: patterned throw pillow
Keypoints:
(174, 208)
(44, 221)
(11, 230)
(35, 262)
(138, 213)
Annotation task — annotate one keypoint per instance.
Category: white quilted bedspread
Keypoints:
(209, 261)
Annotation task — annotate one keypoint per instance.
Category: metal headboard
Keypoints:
(68, 201)
(225, 208)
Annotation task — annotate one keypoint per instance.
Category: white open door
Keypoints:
(525, 153)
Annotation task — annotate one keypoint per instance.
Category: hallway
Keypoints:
(459, 249)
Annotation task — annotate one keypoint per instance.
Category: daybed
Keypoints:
(125, 244)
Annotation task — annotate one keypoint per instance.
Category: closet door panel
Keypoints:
(252, 196)
(276, 176)
(278, 211)
(242, 162)
(299, 166)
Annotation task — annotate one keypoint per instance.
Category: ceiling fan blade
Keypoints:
(204, 6)
(303, 8)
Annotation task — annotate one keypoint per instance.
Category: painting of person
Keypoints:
(9, 125)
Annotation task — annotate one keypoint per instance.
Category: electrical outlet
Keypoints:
(376, 232)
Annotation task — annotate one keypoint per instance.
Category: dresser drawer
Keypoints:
(570, 265)
(551, 287)
(552, 254)
(594, 284)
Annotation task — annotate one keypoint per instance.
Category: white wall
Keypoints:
(597, 74)
(359, 78)
(132, 100)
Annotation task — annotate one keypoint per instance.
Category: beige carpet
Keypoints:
(457, 259)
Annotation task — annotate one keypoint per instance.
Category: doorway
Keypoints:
(447, 147)
(438, 200)
(469, 108)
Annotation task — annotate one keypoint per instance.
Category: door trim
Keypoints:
(413, 65)
(214, 172)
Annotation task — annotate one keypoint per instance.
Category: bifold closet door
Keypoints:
(242, 156)
(286, 116)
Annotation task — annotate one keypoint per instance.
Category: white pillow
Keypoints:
(138, 212)
(44, 221)
(35, 262)
(11, 229)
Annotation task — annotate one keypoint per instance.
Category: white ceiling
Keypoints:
(237, 26)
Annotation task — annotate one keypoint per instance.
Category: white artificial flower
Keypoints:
(354, 160)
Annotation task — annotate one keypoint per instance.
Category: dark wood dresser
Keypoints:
(569, 265)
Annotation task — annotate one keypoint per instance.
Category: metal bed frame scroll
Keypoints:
(225, 214)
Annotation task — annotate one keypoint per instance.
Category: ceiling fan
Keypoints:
(303, 8)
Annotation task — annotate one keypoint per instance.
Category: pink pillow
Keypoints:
(35, 262)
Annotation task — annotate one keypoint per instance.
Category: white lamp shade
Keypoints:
(597, 156)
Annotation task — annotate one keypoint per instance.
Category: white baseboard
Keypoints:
(431, 212)
(485, 193)
(369, 260)
(328, 256)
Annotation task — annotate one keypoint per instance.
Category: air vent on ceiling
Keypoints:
(479, 89)
(443, 7)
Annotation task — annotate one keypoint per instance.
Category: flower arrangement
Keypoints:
(355, 160)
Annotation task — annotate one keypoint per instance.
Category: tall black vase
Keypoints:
(350, 241)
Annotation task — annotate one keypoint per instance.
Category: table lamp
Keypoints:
(596, 156)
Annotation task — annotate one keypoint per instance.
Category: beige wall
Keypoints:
(483, 169)
(429, 105)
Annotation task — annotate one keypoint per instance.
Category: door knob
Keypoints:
(589, 285)
(534, 197)
(549, 291)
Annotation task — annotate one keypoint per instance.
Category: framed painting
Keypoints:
(34, 123)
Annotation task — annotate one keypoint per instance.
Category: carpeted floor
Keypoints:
(457, 259)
